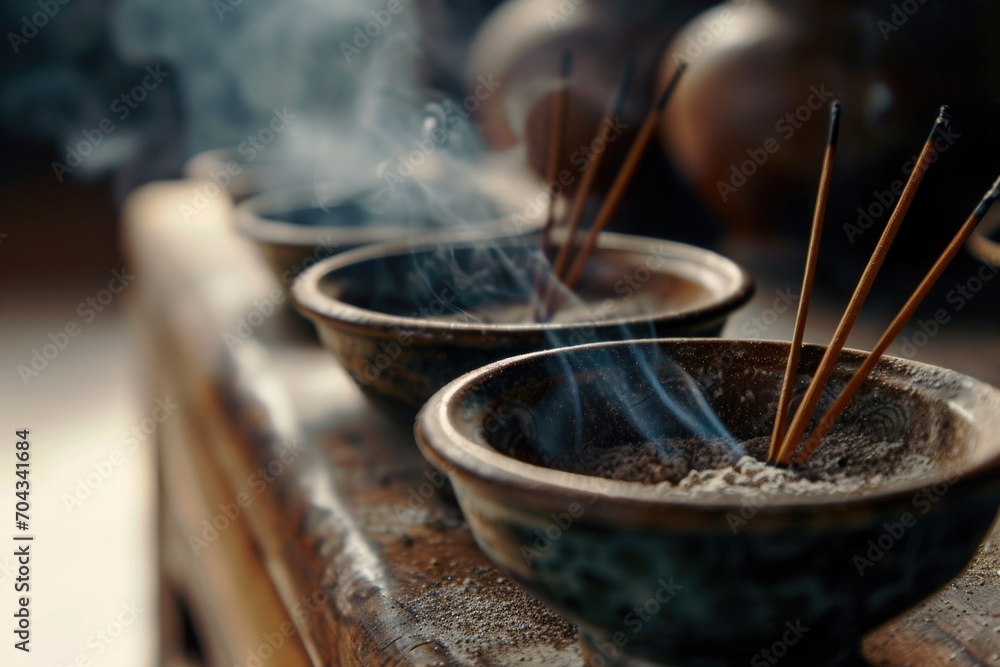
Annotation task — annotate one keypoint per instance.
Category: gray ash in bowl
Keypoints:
(846, 462)
(897, 430)
(641, 414)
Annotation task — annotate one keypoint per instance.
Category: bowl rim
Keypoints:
(447, 448)
(250, 219)
(739, 288)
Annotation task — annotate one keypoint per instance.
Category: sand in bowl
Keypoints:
(890, 435)
(846, 462)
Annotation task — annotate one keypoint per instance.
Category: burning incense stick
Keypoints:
(801, 420)
(893, 330)
(794, 351)
(587, 183)
(557, 133)
(623, 179)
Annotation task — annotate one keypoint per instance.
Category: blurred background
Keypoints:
(98, 97)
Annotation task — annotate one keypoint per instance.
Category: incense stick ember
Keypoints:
(622, 181)
(909, 308)
(794, 350)
(805, 412)
(587, 183)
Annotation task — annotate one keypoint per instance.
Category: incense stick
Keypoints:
(557, 134)
(909, 308)
(589, 174)
(802, 416)
(557, 137)
(795, 350)
(623, 179)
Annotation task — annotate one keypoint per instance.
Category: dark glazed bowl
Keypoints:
(654, 577)
(298, 226)
(405, 321)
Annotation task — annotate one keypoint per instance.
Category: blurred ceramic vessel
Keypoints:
(405, 320)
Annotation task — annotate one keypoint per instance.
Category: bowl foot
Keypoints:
(602, 653)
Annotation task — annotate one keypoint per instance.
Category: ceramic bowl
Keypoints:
(406, 320)
(654, 577)
(297, 227)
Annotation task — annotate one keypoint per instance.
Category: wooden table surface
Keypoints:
(316, 500)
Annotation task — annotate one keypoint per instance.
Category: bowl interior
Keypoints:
(652, 412)
(496, 283)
